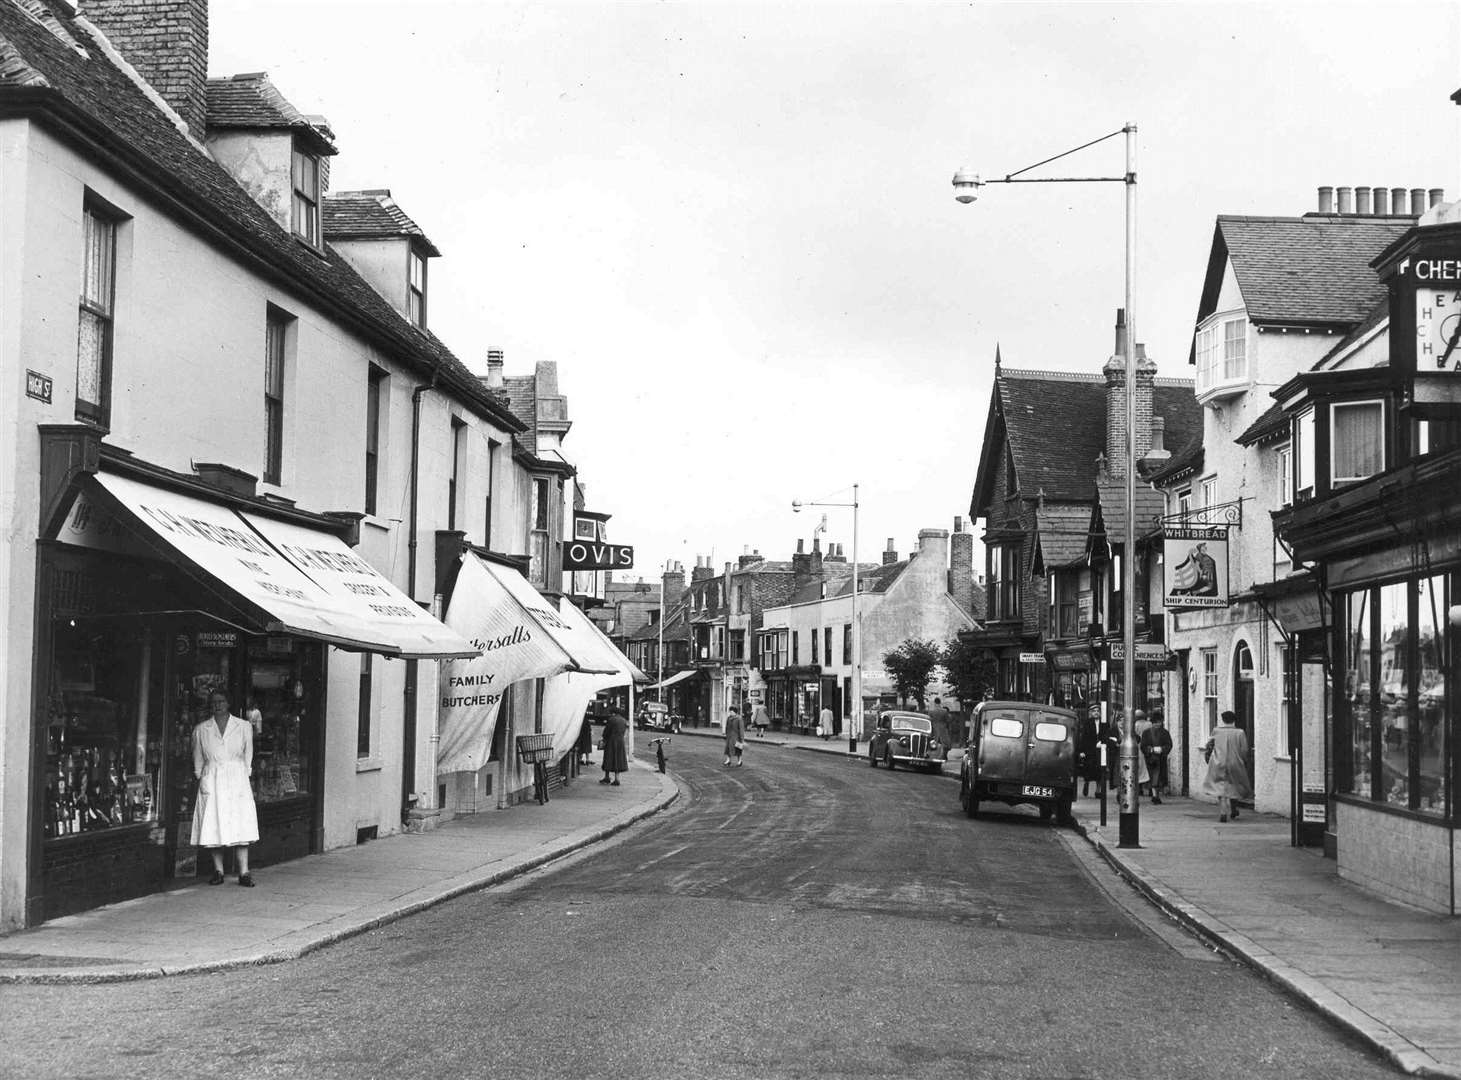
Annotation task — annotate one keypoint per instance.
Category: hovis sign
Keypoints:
(596, 555)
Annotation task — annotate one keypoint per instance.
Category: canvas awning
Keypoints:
(566, 696)
(679, 676)
(290, 578)
(521, 634)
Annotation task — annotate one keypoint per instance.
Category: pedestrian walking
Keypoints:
(1108, 736)
(735, 736)
(585, 745)
(938, 718)
(616, 754)
(761, 719)
(223, 762)
(1227, 776)
(1156, 748)
(1088, 751)
(1139, 725)
(825, 722)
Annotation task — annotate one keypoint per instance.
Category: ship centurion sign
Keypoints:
(1195, 568)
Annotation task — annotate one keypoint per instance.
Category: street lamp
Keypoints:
(966, 189)
(854, 723)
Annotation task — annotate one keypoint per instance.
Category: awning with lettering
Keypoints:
(222, 547)
(566, 696)
(520, 634)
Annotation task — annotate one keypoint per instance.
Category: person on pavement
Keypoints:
(1227, 767)
(585, 745)
(761, 720)
(825, 722)
(938, 717)
(1108, 735)
(1156, 748)
(223, 762)
(616, 754)
(735, 736)
(1088, 751)
(1139, 725)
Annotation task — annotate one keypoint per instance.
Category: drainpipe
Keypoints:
(408, 732)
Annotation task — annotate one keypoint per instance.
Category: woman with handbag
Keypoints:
(735, 736)
(616, 754)
(1227, 776)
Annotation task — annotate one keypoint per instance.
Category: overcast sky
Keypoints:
(731, 224)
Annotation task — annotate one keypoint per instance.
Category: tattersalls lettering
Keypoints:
(519, 636)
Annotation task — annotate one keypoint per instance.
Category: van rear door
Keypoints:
(1049, 750)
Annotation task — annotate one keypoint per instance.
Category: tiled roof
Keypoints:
(1062, 533)
(1271, 424)
(1056, 426)
(520, 392)
(1150, 506)
(93, 96)
(369, 215)
(1187, 460)
(250, 100)
(1312, 269)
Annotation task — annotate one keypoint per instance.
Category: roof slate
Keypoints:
(1312, 269)
(1151, 504)
(370, 215)
(250, 100)
(1056, 426)
(1063, 532)
(1271, 423)
(105, 104)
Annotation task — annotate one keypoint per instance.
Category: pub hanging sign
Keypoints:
(1195, 568)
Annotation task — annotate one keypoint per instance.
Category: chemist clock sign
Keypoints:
(1425, 285)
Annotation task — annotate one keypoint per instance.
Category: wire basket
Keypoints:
(535, 748)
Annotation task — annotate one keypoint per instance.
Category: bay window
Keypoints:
(1222, 355)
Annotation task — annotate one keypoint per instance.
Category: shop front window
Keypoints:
(1432, 749)
(1357, 691)
(103, 757)
(1394, 695)
(278, 705)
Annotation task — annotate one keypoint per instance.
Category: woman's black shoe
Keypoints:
(216, 879)
(246, 880)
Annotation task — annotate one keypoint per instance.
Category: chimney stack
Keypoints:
(167, 42)
(1146, 380)
(806, 565)
(674, 583)
(890, 555)
(702, 569)
(961, 567)
(494, 369)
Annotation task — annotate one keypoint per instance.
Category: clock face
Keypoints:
(1438, 329)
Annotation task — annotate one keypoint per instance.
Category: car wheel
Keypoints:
(1063, 815)
(971, 804)
(1047, 811)
(888, 758)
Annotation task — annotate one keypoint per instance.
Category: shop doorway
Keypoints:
(1243, 695)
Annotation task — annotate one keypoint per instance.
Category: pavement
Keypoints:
(1386, 973)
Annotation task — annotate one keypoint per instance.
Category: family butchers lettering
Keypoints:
(468, 701)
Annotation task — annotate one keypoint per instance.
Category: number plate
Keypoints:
(1038, 792)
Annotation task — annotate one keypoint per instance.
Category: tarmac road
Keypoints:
(801, 916)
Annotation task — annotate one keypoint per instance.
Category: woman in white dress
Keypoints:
(223, 757)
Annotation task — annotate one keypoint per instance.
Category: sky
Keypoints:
(731, 224)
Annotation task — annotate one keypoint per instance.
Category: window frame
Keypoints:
(416, 287)
(1221, 346)
(277, 327)
(539, 526)
(304, 218)
(375, 394)
(454, 486)
(1209, 687)
(492, 448)
(97, 302)
(1336, 480)
(366, 712)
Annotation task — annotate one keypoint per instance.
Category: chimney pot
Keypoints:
(1362, 200)
(799, 549)
(1346, 200)
(958, 524)
(1120, 332)
(1382, 200)
(1437, 196)
(1326, 200)
(1417, 200)
(1397, 201)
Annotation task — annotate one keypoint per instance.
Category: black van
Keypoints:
(1021, 752)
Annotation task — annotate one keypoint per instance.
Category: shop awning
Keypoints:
(350, 605)
(566, 696)
(679, 676)
(522, 635)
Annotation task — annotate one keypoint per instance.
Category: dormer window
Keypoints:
(305, 175)
(1222, 355)
(416, 288)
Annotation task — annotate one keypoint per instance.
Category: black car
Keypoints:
(905, 738)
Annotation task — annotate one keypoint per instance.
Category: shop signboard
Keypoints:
(595, 555)
(1032, 658)
(1195, 567)
(1145, 653)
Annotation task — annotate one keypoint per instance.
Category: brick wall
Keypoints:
(1146, 380)
(167, 42)
(1398, 857)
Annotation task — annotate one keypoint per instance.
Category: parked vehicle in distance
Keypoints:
(1020, 752)
(656, 716)
(905, 738)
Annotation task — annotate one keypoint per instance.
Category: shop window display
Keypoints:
(1357, 690)
(103, 759)
(1430, 730)
(276, 705)
(1394, 695)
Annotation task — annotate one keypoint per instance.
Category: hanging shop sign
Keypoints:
(1195, 568)
(1032, 658)
(595, 555)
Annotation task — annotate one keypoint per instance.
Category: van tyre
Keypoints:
(1047, 811)
(971, 803)
(1063, 816)
(888, 758)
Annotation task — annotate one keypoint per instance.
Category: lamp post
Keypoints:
(966, 190)
(854, 722)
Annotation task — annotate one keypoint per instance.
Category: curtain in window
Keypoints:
(1357, 447)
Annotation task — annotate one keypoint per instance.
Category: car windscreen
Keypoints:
(1006, 727)
(911, 723)
(1047, 731)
